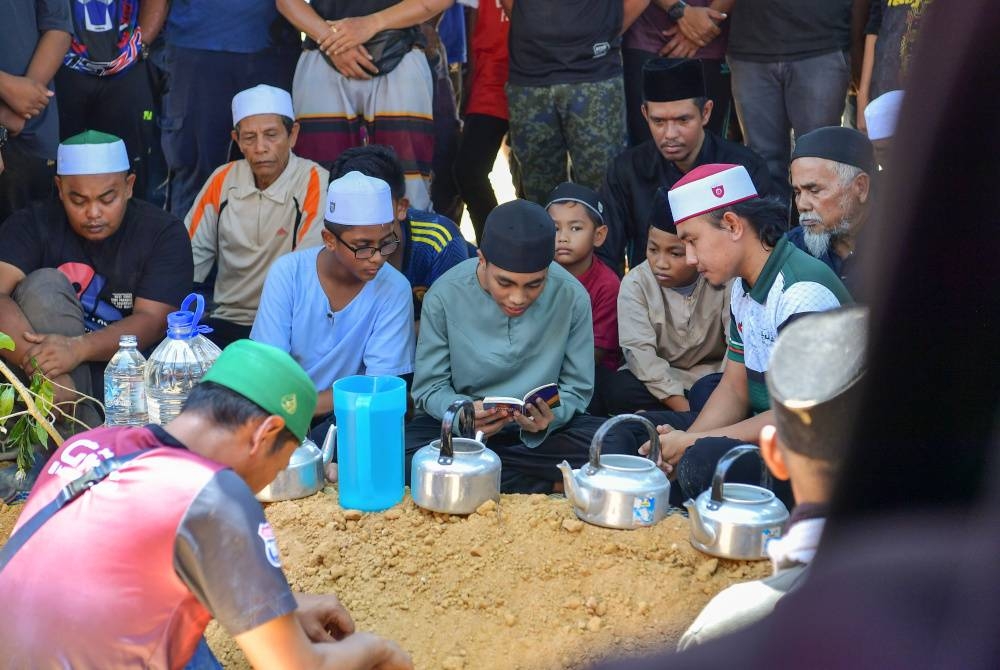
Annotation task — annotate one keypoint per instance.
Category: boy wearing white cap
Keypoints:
(253, 210)
(340, 309)
(78, 272)
(729, 232)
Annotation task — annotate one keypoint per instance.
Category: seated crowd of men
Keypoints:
(338, 271)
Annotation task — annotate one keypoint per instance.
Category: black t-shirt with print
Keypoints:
(565, 41)
(148, 257)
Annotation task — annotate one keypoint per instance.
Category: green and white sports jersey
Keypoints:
(792, 283)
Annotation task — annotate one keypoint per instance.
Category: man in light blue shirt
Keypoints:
(340, 309)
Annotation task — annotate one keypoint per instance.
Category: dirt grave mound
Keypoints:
(519, 585)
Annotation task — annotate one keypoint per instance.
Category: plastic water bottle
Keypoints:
(179, 362)
(124, 385)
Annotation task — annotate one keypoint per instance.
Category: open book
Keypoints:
(548, 392)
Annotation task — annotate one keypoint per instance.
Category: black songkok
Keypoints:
(835, 143)
(659, 214)
(666, 80)
(519, 236)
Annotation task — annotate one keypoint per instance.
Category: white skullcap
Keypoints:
(708, 188)
(881, 114)
(262, 99)
(359, 200)
(92, 152)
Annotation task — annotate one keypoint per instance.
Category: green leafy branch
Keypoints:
(35, 414)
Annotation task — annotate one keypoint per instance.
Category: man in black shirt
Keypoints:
(565, 92)
(790, 70)
(34, 36)
(677, 111)
(77, 273)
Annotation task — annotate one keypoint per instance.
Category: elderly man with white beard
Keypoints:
(831, 184)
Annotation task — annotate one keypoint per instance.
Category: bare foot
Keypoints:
(331, 472)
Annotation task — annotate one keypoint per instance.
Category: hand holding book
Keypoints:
(548, 393)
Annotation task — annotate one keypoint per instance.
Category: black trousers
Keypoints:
(225, 332)
(121, 105)
(527, 470)
(621, 392)
(697, 466)
(481, 138)
(716, 85)
(24, 178)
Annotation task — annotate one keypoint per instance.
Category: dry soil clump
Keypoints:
(520, 585)
(523, 584)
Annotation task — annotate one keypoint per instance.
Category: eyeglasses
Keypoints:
(364, 253)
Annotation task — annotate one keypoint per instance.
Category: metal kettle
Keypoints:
(618, 490)
(304, 474)
(735, 520)
(455, 475)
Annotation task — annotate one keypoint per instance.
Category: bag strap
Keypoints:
(298, 222)
(68, 494)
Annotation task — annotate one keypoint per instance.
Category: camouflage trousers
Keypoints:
(565, 132)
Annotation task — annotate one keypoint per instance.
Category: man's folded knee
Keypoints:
(49, 302)
(43, 284)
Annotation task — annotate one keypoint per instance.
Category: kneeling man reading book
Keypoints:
(499, 324)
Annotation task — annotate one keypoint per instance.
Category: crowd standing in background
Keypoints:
(692, 179)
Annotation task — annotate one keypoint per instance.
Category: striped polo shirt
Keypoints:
(792, 283)
(433, 245)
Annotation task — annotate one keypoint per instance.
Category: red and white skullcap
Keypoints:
(710, 187)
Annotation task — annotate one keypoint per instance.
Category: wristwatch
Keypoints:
(677, 11)
(3, 136)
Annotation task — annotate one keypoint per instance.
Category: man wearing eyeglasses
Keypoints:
(340, 309)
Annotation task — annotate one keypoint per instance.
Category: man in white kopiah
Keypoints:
(814, 398)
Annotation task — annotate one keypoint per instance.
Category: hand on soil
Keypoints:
(323, 618)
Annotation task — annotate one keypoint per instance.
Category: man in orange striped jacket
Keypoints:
(253, 210)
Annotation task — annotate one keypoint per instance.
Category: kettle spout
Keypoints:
(574, 492)
(699, 530)
(329, 444)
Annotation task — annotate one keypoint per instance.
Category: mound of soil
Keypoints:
(520, 585)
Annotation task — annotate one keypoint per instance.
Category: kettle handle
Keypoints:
(598, 441)
(465, 411)
(730, 457)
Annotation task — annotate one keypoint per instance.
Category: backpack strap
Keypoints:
(68, 494)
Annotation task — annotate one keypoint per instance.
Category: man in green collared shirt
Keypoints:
(731, 233)
(503, 324)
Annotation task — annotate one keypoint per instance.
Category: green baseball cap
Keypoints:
(269, 377)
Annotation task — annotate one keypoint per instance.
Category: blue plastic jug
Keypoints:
(370, 412)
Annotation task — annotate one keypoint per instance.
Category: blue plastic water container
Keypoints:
(370, 412)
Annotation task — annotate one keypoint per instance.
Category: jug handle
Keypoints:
(730, 457)
(465, 411)
(199, 311)
(598, 441)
